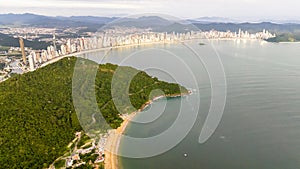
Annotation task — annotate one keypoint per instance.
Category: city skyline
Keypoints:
(246, 10)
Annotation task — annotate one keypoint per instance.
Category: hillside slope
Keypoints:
(37, 115)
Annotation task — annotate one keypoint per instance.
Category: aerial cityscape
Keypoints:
(109, 39)
(149, 84)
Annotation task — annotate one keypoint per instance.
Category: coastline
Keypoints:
(76, 54)
(114, 136)
(143, 44)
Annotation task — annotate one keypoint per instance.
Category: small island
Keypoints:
(40, 127)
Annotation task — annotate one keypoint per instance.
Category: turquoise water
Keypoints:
(260, 127)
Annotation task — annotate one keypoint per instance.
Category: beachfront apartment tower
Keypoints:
(21, 41)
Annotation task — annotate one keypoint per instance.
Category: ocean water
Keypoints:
(260, 127)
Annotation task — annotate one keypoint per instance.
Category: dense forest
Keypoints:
(286, 37)
(38, 118)
(6, 40)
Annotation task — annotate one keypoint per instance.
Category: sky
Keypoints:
(235, 9)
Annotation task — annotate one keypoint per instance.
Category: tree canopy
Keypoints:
(38, 118)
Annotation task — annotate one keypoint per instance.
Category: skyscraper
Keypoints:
(38, 56)
(23, 50)
(54, 43)
(63, 49)
(31, 62)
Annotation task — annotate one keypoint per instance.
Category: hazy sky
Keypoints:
(237, 9)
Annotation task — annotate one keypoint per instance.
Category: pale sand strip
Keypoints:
(105, 49)
(114, 137)
(113, 142)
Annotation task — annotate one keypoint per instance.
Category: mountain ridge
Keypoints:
(154, 22)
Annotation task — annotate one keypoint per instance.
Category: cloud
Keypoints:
(237, 9)
(70, 4)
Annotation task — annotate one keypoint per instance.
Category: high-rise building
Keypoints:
(82, 45)
(73, 48)
(54, 42)
(49, 53)
(63, 49)
(31, 63)
(44, 56)
(38, 56)
(69, 46)
(23, 50)
(33, 54)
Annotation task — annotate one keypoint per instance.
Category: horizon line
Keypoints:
(230, 19)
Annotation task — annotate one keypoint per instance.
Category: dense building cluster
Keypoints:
(239, 35)
(115, 38)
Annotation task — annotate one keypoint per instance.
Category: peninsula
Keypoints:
(39, 122)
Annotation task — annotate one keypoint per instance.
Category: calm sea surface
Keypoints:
(260, 128)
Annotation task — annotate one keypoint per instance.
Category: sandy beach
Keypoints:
(114, 136)
(103, 49)
(113, 142)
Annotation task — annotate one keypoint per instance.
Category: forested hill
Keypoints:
(37, 115)
(6, 40)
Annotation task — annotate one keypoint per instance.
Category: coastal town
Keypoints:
(23, 59)
(96, 152)
(149, 84)
(83, 151)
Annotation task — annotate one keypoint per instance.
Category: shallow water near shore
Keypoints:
(260, 127)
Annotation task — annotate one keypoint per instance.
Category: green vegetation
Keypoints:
(86, 166)
(38, 119)
(60, 163)
(6, 40)
(15, 54)
(112, 97)
(101, 166)
(89, 157)
(83, 140)
(4, 48)
(286, 37)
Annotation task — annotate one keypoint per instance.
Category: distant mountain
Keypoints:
(28, 19)
(143, 22)
(19, 19)
(176, 27)
(283, 21)
(225, 24)
(89, 19)
(230, 20)
(251, 27)
(92, 22)
(214, 20)
(156, 23)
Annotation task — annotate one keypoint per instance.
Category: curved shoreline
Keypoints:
(114, 136)
(104, 49)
